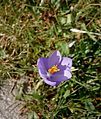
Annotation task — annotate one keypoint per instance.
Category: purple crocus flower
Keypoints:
(55, 69)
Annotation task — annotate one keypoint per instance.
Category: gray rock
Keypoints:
(9, 107)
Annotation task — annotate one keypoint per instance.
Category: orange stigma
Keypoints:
(53, 69)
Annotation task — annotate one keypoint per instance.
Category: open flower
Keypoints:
(55, 69)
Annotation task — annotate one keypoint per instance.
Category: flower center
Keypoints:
(53, 69)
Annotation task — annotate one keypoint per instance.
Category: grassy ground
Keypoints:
(32, 29)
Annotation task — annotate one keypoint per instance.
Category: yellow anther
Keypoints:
(53, 69)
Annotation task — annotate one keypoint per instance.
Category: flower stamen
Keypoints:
(53, 69)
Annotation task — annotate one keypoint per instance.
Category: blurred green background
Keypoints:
(30, 29)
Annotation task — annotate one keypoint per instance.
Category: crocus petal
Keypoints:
(49, 82)
(54, 59)
(58, 82)
(66, 62)
(42, 67)
(62, 76)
